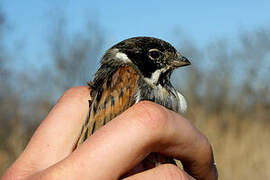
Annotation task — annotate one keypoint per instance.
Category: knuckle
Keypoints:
(173, 172)
(152, 116)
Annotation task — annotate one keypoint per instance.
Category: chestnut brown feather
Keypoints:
(108, 103)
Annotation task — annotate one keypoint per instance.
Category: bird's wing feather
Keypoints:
(116, 95)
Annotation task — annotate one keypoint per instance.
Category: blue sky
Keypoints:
(201, 20)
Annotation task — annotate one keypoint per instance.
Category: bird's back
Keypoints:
(115, 95)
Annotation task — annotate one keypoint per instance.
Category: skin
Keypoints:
(114, 149)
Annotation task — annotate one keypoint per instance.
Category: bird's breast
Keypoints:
(167, 97)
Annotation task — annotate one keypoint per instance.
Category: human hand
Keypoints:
(114, 149)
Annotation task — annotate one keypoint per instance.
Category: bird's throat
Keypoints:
(156, 76)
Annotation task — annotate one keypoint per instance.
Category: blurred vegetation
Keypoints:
(227, 88)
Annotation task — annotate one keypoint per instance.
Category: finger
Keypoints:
(125, 141)
(56, 135)
(164, 171)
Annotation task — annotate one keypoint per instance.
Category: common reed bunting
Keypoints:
(133, 70)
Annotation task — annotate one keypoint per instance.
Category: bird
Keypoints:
(131, 71)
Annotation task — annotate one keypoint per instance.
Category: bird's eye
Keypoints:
(154, 54)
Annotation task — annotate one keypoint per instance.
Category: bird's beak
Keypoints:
(180, 61)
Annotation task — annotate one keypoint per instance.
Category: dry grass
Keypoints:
(241, 149)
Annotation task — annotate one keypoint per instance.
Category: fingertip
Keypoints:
(77, 93)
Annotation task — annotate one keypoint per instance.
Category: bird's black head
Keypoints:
(151, 56)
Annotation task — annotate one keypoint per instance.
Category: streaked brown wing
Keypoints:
(115, 96)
